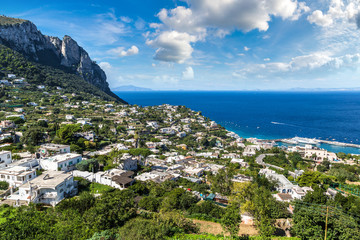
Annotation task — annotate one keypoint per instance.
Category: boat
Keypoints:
(312, 141)
(290, 141)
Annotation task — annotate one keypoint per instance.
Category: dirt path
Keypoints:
(215, 228)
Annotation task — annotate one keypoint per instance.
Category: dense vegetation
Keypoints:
(13, 62)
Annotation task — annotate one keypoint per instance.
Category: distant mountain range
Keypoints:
(323, 89)
(131, 88)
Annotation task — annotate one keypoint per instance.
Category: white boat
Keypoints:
(311, 141)
(290, 141)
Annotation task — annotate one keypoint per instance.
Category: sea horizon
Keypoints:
(327, 120)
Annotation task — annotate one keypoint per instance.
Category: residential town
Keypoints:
(53, 140)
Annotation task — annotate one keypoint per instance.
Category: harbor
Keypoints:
(332, 146)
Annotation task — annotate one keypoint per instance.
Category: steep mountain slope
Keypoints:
(35, 73)
(24, 37)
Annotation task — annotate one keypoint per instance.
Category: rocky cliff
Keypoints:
(24, 37)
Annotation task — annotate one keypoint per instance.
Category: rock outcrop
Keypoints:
(24, 37)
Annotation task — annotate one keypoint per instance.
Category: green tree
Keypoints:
(66, 133)
(231, 219)
(33, 136)
(4, 185)
(221, 182)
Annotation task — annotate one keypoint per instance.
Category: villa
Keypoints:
(61, 162)
(5, 158)
(50, 188)
(17, 175)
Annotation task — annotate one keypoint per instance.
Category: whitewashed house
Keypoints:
(49, 188)
(62, 162)
(17, 175)
(5, 158)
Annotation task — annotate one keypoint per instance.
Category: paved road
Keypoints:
(260, 160)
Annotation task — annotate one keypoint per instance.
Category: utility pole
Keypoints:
(327, 213)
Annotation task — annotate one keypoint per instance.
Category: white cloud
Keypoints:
(166, 79)
(318, 63)
(121, 52)
(188, 74)
(125, 19)
(172, 46)
(338, 11)
(131, 51)
(246, 48)
(105, 66)
(318, 18)
(267, 59)
(216, 17)
(140, 24)
(112, 74)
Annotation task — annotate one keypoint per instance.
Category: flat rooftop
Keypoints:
(16, 170)
(62, 157)
(49, 179)
(53, 146)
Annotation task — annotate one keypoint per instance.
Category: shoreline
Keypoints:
(331, 146)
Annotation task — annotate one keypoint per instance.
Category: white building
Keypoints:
(283, 186)
(250, 150)
(320, 154)
(167, 131)
(192, 171)
(240, 161)
(152, 124)
(69, 117)
(127, 162)
(63, 162)
(17, 175)
(300, 192)
(5, 158)
(49, 188)
(116, 178)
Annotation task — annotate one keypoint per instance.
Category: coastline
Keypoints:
(247, 114)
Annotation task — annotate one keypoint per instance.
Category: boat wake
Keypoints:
(285, 124)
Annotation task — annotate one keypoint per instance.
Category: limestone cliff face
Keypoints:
(66, 53)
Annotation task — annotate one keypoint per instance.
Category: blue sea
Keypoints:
(271, 115)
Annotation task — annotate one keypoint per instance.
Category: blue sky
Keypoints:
(210, 44)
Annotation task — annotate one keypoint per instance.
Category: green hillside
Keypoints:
(13, 62)
(10, 21)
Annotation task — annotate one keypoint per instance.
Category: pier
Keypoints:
(342, 144)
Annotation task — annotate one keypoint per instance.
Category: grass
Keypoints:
(10, 21)
(95, 188)
(99, 188)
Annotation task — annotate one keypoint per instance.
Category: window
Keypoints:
(8, 156)
(60, 165)
(70, 163)
(78, 160)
